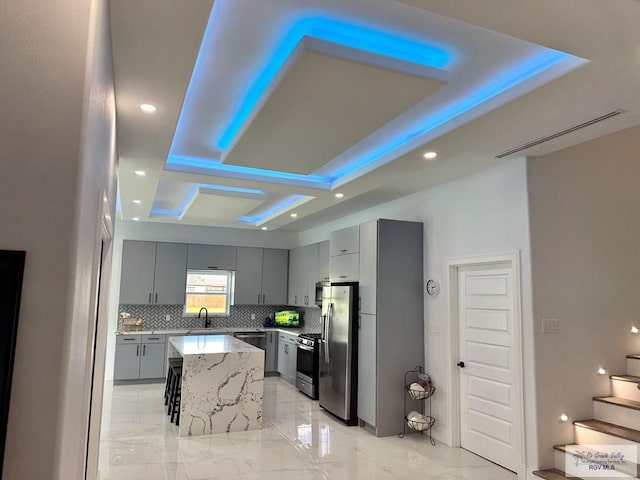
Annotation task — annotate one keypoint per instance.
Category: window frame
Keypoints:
(230, 274)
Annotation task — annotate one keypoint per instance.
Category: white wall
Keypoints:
(585, 233)
(479, 214)
(167, 232)
(57, 160)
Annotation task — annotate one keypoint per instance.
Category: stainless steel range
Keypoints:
(307, 364)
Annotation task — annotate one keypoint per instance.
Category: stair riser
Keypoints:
(586, 436)
(562, 457)
(628, 390)
(626, 417)
(633, 366)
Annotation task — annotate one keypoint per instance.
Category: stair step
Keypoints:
(621, 402)
(610, 429)
(627, 469)
(618, 411)
(551, 474)
(633, 365)
(625, 378)
(625, 386)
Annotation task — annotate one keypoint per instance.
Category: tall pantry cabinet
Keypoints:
(391, 333)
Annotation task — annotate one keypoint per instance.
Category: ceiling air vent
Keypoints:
(553, 136)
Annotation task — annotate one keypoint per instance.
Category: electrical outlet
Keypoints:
(168, 318)
(551, 326)
(253, 316)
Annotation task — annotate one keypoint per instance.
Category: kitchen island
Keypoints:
(222, 384)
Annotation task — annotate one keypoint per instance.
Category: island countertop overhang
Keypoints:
(210, 344)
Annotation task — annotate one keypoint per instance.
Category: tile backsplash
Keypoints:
(155, 317)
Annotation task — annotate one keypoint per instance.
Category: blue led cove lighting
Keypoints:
(351, 35)
(272, 211)
(354, 36)
(486, 92)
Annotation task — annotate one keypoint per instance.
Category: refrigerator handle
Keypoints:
(326, 335)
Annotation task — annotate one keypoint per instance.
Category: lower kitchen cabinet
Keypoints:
(271, 353)
(140, 357)
(287, 356)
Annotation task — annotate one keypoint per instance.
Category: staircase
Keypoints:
(616, 422)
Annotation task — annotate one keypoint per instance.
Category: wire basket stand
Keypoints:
(419, 387)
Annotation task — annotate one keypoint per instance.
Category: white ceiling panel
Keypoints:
(322, 106)
(211, 206)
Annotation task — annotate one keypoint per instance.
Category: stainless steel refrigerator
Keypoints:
(339, 351)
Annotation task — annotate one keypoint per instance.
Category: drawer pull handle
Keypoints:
(128, 339)
(343, 276)
(153, 338)
(343, 250)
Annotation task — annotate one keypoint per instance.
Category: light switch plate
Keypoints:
(550, 326)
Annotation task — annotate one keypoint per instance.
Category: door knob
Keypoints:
(461, 364)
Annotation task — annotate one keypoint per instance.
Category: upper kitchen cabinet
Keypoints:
(303, 275)
(344, 246)
(138, 271)
(261, 276)
(170, 273)
(275, 268)
(323, 261)
(345, 241)
(153, 273)
(218, 257)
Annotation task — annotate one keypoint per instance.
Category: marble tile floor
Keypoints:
(299, 441)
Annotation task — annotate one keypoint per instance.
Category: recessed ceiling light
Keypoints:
(294, 215)
(430, 155)
(339, 195)
(137, 202)
(564, 417)
(147, 107)
(140, 173)
(135, 219)
(264, 228)
(602, 371)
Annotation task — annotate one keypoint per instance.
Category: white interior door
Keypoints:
(489, 423)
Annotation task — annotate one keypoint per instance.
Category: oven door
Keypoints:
(305, 361)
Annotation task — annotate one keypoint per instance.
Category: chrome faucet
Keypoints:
(207, 322)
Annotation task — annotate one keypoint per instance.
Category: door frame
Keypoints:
(452, 265)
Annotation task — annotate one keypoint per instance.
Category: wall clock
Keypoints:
(432, 287)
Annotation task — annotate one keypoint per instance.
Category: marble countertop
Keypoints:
(209, 344)
(219, 331)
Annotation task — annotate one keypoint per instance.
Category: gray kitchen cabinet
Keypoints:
(170, 274)
(391, 333)
(323, 261)
(139, 357)
(153, 273)
(275, 268)
(261, 276)
(219, 257)
(138, 271)
(310, 262)
(248, 289)
(344, 241)
(152, 360)
(296, 277)
(368, 265)
(282, 358)
(287, 356)
(344, 268)
(367, 369)
(303, 275)
(127, 362)
(271, 353)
